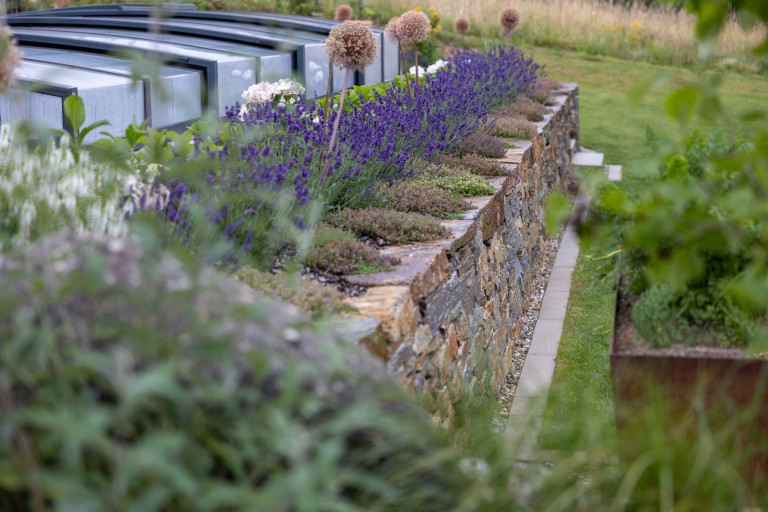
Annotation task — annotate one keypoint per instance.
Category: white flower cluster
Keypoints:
(440, 63)
(285, 90)
(47, 190)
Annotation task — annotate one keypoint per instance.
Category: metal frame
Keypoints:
(304, 23)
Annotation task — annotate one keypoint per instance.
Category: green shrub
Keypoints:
(309, 296)
(456, 180)
(689, 224)
(514, 127)
(390, 225)
(131, 381)
(483, 144)
(475, 164)
(419, 197)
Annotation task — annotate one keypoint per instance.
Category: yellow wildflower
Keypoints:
(417, 9)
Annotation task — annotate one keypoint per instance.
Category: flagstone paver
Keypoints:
(530, 399)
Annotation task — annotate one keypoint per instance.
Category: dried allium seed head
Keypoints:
(351, 46)
(10, 58)
(461, 26)
(391, 30)
(413, 27)
(509, 19)
(344, 13)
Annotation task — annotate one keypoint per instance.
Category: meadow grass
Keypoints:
(663, 35)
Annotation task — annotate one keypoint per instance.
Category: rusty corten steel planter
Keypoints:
(728, 383)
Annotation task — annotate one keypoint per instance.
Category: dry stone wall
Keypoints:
(448, 316)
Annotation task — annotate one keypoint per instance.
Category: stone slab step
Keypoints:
(587, 159)
(612, 172)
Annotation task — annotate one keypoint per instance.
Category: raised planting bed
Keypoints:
(448, 315)
(691, 390)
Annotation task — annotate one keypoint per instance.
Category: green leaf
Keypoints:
(74, 112)
(88, 129)
(680, 104)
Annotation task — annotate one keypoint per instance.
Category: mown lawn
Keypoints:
(580, 408)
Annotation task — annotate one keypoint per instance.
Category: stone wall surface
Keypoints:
(448, 316)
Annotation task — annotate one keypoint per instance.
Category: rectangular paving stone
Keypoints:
(536, 376)
(566, 257)
(523, 426)
(613, 172)
(560, 279)
(584, 159)
(546, 337)
(528, 406)
(554, 306)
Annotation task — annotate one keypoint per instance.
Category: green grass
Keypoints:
(580, 407)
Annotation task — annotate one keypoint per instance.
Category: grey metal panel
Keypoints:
(45, 109)
(174, 100)
(98, 90)
(390, 52)
(312, 61)
(309, 54)
(388, 63)
(227, 75)
(270, 65)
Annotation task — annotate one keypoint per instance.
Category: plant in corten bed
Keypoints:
(509, 19)
(691, 242)
(352, 47)
(461, 26)
(413, 27)
(344, 13)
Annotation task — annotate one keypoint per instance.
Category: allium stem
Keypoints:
(416, 58)
(325, 107)
(328, 90)
(336, 122)
(405, 70)
(509, 39)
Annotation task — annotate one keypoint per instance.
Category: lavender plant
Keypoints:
(253, 181)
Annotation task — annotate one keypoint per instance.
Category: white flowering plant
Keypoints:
(285, 91)
(46, 190)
